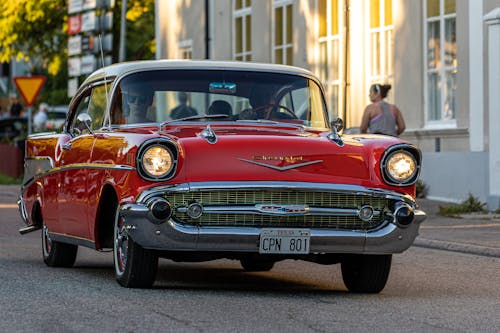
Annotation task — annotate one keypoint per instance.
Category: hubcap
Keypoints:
(47, 242)
(121, 245)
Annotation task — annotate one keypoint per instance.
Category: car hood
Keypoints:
(270, 154)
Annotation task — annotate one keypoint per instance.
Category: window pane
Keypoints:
(374, 13)
(278, 26)
(449, 7)
(333, 102)
(432, 8)
(334, 13)
(449, 96)
(390, 46)
(323, 61)
(289, 56)
(322, 18)
(278, 56)
(375, 52)
(248, 33)
(238, 35)
(248, 57)
(289, 24)
(450, 43)
(388, 12)
(433, 51)
(334, 63)
(237, 4)
(434, 93)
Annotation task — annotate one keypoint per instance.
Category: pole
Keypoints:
(346, 64)
(207, 37)
(123, 31)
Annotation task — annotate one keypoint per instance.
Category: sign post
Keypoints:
(29, 87)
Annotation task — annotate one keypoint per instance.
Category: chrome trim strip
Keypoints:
(72, 240)
(105, 166)
(245, 210)
(270, 185)
(285, 168)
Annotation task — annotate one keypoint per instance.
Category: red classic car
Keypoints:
(202, 160)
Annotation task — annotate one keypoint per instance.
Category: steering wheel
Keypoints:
(273, 107)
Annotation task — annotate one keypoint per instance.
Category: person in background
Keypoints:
(182, 110)
(40, 118)
(381, 117)
(16, 108)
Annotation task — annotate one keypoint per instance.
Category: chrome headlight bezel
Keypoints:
(146, 147)
(392, 152)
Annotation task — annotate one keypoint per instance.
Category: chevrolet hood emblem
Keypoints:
(279, 168)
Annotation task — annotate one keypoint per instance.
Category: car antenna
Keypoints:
(106, 114)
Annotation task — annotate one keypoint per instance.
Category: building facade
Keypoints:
(434, 53)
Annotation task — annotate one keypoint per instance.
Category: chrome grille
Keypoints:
(287, 197)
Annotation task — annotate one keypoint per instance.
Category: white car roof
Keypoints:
(120, 69)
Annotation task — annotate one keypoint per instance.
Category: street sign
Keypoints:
(29, 87)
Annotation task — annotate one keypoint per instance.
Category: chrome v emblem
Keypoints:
(284, 168)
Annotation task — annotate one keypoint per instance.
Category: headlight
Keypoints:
(401, 166)
(156, 160)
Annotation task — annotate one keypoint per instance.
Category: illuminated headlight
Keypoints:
(400, 167)
(156, 161)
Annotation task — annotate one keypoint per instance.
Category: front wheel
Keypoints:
(57, 254)
(366, 273)
(135, 267)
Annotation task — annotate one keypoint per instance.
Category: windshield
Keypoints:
(223, 96)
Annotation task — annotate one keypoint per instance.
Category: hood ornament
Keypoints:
(281, 168)
(208, 134)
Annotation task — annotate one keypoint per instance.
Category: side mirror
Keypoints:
(83, 121)
(338, 124)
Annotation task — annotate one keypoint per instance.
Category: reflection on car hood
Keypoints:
(272, 154)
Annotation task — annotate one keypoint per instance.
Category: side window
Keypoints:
(82, 107)
(97, 106)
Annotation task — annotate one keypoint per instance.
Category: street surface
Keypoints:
(428, 291)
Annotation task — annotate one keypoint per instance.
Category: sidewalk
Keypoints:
(472, 233)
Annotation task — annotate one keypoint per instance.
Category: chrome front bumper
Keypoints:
(172, 236)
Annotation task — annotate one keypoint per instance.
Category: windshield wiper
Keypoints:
(272, 122)
(200, 116)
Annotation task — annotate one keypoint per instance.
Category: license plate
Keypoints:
(287, 241)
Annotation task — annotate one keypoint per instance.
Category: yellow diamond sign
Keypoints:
(29, 87)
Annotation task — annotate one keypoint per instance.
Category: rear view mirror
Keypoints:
(338, 124)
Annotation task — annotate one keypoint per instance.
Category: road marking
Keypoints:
(465, 226)
(8, 206)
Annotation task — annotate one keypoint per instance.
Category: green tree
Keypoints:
(34, 31)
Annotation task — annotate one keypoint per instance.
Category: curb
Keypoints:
(458, 247)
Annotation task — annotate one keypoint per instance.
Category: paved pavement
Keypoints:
(471, 233)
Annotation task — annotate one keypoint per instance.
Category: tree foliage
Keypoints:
(34, 31)
(141, 39)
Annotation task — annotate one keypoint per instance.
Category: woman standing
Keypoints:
(381, 117)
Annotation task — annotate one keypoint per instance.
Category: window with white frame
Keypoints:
(185, 49)
(440, 56)
(242, 25)
(283, 32)
(330, 50)
(380, 39)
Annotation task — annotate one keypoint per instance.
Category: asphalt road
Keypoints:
(428, 291)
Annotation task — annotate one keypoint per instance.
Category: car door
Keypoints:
(74, 162)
